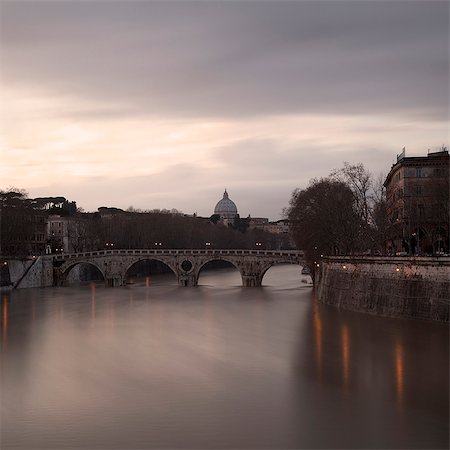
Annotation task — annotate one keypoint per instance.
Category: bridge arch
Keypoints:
(281, 262)
(217, 258)
(148, 258)
(66, 269)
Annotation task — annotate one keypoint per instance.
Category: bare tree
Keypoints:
(324, 219)
(360, 181)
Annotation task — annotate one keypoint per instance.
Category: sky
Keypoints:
(157, 104)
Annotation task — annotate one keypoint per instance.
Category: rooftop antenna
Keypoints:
(402, 154)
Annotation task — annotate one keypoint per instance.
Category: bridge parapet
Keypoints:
(173, 252)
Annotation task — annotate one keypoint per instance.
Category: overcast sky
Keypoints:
(164, 104)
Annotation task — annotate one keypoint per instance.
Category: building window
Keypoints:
(419, 173)
(419, 190)
(421, 210)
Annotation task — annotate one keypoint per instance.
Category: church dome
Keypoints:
(226, 208)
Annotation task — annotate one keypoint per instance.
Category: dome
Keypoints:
(226, 208)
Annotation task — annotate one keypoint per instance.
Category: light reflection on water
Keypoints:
(152, 365)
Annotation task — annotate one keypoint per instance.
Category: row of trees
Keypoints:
(344, 213)
(165, 230)
(22, 225)
(24, 231)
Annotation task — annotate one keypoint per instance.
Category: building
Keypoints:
(417, 197)
(65, 234)
(226, 209)
(278, 227)
(257, 223)
(262, 223)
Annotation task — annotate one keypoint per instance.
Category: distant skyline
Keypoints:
(166, 104)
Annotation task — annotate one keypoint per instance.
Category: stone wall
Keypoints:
(417, 288)
(17, 267)
(32, 272)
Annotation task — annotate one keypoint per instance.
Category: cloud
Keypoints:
(230, 59)
(164, 104)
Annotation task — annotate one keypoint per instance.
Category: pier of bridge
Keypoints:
(185, 264)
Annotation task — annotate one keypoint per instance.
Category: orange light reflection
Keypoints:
(318, 335)
(4, 321)
(345, 343)
(399, 372)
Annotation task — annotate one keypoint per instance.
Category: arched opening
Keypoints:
(147, 272)
(83, 273)
(220, 273)
(286, 276)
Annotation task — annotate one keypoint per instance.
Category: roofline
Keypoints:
(411, 160)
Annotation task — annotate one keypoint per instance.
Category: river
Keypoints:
(154, 365)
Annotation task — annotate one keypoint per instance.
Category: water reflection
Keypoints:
(110, 317)
(93, 290)
(4, 322)
(33, 309)
(318, 339)
(399, 372)
(345, 346)
(60, 310)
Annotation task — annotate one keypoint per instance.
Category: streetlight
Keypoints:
(208, 244)
(158, 244)
(258, 244)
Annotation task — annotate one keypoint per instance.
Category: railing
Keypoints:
(444, 260)
(174, 252)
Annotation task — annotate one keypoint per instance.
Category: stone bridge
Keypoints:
(185, 264)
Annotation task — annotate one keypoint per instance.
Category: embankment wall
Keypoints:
(30, 272)
(416, 288)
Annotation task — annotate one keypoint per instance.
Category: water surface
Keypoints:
(153, 365)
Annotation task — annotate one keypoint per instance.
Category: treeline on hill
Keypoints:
(24, 231)
(342, 214)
